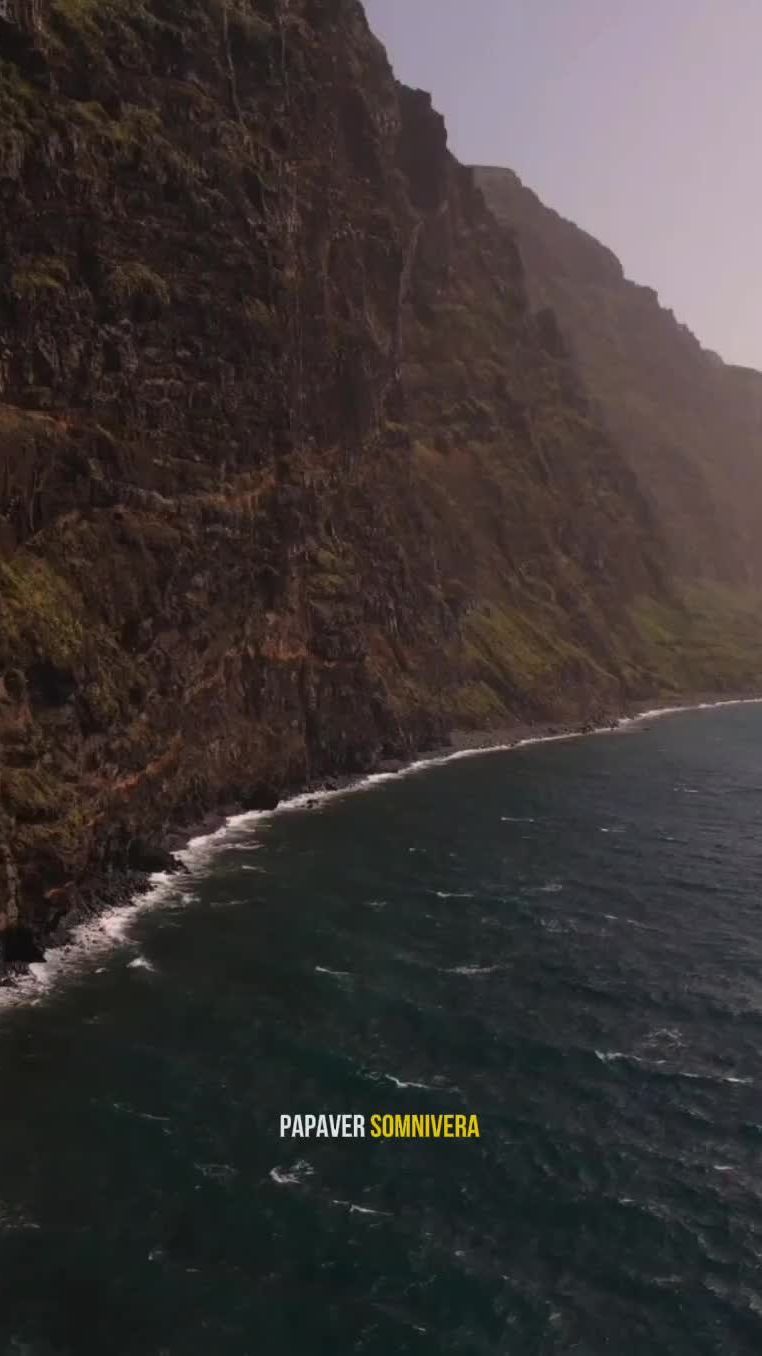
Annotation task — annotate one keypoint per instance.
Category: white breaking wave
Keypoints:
(89, 942)
(631, 922)
(112, 927)
(293, 1176)
(716, 1078)
(471, 970)
(693, 706)
(141, 963)
(127, 1110)
(611, 1056)
(374, 1076)
(400, 1083)
(362, 1209)
(13, 1220)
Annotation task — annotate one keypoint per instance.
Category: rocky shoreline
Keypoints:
(122, 887)
(294, 477)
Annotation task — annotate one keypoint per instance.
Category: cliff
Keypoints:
(688, 424)
(292, 478)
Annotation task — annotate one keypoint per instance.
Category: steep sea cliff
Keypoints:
(293, 478)
(689, 424)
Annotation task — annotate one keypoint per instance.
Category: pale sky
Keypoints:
(641, 120)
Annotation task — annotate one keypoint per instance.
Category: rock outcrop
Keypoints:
(292, 478)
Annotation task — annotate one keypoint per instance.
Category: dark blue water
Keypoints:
(565, 940)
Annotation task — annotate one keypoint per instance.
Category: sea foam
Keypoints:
(112, 928)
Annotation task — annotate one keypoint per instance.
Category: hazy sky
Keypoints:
(641, 120)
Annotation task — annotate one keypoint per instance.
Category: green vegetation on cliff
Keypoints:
(292, 478)
(710, 642)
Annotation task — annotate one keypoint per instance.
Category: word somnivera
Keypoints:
(353, 1126)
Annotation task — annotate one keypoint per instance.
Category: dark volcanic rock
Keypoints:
(291, 477)
(263, 798)
(20, 947)
(150, 857)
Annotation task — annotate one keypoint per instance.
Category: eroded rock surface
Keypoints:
(292, 479)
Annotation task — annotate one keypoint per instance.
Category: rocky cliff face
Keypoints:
(688, 424)
(292, 478)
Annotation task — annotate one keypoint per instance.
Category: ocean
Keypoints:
(563, 940)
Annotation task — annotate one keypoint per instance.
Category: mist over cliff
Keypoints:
(298, 471)
(689, 424)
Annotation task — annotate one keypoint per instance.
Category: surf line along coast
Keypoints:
(381, 1126)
